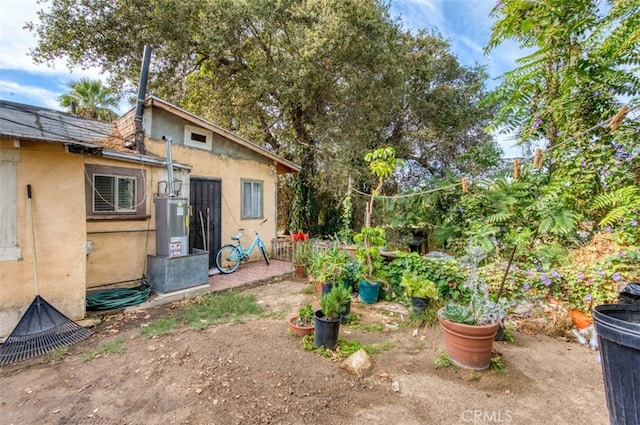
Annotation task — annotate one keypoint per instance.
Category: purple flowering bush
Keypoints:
(579, 286)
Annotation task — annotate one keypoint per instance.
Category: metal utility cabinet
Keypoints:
(173, 268)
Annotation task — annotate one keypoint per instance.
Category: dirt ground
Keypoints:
(257, 373)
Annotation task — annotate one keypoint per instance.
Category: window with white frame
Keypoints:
(251, 199)
(114, 191)
(198, 137)
(9, 249)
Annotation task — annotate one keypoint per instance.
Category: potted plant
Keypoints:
(469, 330)
(302, 324)
(370, 240)
(301, 258)
(330, 267)
(420, 289)
(369, 243)
(327, 318)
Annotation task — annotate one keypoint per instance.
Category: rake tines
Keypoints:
(41, 329)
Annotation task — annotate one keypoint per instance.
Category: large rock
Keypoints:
(358, 363)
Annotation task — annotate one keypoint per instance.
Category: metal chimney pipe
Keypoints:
(169, 140)
(142, 89)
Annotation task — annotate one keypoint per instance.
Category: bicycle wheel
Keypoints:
(228, 259)
(264, 254)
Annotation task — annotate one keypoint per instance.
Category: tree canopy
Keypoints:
(319, 82)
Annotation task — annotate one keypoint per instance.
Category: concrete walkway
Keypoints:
(247, 274)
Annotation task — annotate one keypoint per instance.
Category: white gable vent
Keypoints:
(197, 137)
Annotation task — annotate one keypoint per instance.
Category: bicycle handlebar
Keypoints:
(242, 229)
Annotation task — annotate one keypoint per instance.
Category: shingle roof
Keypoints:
(36, 123)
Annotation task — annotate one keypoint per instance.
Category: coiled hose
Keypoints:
(111, 299)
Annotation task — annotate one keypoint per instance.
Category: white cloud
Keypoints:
(420, 14)
(11, 90)
(16, 41)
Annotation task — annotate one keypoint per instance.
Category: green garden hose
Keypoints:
(111, 299)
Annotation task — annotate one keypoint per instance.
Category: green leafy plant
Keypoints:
(370, 240)
(303, 253)
(418, 286)
(369, 244)
(330, 265)
(445, 272)
(497, 365)
(305, 315)
(334, 303)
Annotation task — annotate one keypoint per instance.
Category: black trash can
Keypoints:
(618, 329)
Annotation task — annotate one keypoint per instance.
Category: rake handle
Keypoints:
(33, 241)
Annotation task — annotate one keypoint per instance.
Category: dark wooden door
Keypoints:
(205, 220)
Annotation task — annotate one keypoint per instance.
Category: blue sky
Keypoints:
(465, 23)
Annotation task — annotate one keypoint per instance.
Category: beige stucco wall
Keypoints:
(57, 179)
(119, 248)
(230, 171)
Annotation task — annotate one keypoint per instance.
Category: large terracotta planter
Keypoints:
(468, 346)
(299, 330)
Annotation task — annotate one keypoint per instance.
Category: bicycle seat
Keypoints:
(236, 237)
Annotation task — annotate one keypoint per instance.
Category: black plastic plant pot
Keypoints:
(419, 305)
(326, 288)
(326, 331)
(618, 329)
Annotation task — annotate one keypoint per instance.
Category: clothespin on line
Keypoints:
(537, 159)
(617, 118)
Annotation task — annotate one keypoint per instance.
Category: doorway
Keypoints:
(205, 222)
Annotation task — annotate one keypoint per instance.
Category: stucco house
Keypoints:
(94, 192)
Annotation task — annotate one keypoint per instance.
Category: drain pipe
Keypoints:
(142, 89)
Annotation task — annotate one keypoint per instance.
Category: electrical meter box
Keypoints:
(172, 226)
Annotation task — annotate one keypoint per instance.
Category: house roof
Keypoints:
(283, 165)
(96, 137)
(48, 125)
(79, 134)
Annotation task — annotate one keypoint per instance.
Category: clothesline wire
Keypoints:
(471, 179)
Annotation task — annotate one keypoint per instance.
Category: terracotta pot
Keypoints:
(299, 330)
(318, 286)
(300, 272)
(468, 346)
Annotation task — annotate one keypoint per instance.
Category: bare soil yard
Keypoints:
(256, 372)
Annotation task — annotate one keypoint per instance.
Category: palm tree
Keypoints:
(91, 99)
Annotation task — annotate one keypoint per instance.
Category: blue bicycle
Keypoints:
(229, 257)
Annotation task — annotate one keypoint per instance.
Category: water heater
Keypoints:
(172, 215)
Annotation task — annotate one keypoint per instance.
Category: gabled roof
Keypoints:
(78, 134)
(284, 166)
